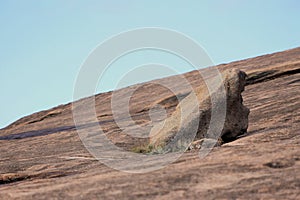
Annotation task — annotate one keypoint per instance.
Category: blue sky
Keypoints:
(44, 43)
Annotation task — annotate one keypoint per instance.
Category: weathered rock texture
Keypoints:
(176, 132)
(42, 156)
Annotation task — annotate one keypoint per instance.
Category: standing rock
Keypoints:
(192, 118)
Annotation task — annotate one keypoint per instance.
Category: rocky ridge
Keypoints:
(42, 156)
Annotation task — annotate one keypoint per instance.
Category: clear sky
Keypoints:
(44, 43)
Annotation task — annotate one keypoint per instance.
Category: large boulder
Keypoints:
(192, 119)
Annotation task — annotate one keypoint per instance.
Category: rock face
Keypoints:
(176, 132)
(237, 114)
(42, 156)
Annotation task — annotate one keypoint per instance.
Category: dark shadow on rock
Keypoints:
(49, 131)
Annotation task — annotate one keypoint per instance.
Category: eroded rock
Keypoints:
(191, 122)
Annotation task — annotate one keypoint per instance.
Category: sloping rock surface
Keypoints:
(42, 156)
